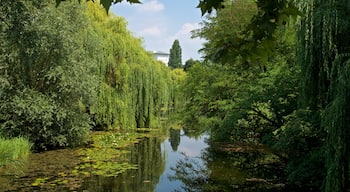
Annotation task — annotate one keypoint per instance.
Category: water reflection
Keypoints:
(174, 163)
(174, 138)
(155, 158)
(183, 163)
(148, 156)
(188, 147)
(233, 170)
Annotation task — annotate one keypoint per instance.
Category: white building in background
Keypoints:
(161, 56)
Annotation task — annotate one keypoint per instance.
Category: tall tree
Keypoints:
(47, 78)
(325, 57)
(175, 59)
(135, 89)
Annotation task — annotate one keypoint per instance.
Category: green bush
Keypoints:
(47, 71)
(40, 119)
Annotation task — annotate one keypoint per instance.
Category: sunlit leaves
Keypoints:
(135, 90)
(105, 3)
(14, 155)
(102, 158)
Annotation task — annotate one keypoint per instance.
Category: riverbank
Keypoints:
(13, 155)
(66, 169)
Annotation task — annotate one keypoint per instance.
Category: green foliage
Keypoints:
(300, 141)
(311, 138)
(106, 3)
(208, 96)
(175, 58)
(336, 122)
(46, 74)
(256, 39)
(267, 99)
(242, 98)
(323, 55)
(61, 67)
(134, 89)
(14, 154)
(258, 35)
(177, 76)
(209, 5)
(218, 29)
(189, 63)
(258, 98)
(34, 115)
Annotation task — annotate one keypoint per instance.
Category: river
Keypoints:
(156, 161)
(175, 162)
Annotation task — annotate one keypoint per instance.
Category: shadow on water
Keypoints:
(174, 138)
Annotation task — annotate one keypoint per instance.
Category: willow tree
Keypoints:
(134, 88)
(324, 55)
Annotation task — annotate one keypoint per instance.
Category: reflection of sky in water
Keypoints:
(191, 147)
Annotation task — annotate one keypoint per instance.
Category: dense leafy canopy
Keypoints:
(324, 58)
(45, 74)
(258, 34)
(249, 90)
(58, 81)
(106, 3)
(189, 63)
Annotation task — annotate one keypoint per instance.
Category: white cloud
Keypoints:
(150, 31)
(188, 45)
(187, 28)
(146, 20)
(151, 6)
(159, 29)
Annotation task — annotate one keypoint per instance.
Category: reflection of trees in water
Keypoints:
(235, 171)
(192, 174)
(194, 131)
(257, 163)
(147, 155)
(174, 138)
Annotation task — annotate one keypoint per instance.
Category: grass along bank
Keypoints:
(13, 154)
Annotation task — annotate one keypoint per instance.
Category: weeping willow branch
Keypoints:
(324, 58)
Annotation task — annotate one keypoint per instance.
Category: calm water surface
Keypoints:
(156, 160)
(176, 162)
(190, 147)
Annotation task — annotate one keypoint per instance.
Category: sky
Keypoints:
(160, 22)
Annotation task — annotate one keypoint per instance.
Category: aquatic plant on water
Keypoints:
(105, 156)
